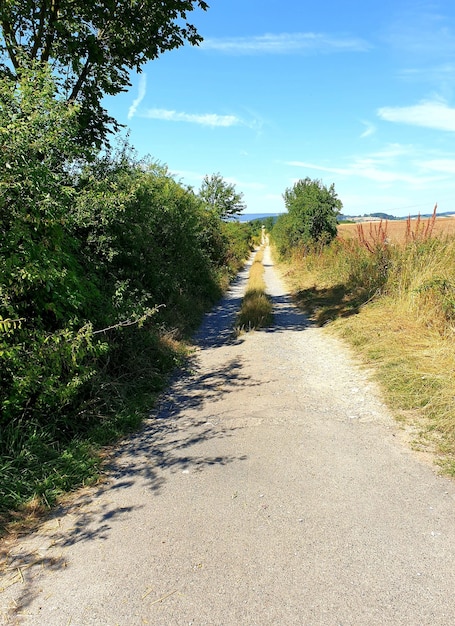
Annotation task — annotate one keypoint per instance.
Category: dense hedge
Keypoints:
(104, 262)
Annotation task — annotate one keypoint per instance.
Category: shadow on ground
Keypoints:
(327, 304)
(168, 443)
(286, 316)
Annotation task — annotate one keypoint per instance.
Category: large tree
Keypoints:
(221, 196)
(92, 45)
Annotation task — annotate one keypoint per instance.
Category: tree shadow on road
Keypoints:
(287, 316)
(169, 442)
(170, 438)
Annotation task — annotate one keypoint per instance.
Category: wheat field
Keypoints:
(396, 231)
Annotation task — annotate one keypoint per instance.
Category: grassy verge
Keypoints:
(256, 309)
(395, 304)
(50, 464)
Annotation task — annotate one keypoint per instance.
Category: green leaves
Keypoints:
(92, 46)
(90, 248)
(221, 197)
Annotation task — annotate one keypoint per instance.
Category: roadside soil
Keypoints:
(269, 487)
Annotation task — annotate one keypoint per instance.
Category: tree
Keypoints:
(312, 210)
(92, 45)
(221, 197)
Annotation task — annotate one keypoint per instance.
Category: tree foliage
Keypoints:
(92, 45)
(311, 217)
(221, 196)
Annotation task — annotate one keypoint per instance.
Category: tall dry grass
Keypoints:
(256, 309)
(396, 305)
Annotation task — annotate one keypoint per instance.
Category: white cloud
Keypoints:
(393, 150)
(242, 185)
(423, 32)
(140, 96)
(277, 197)
(196, 177)
(321, 168)
(286, 43)
(188, 175)
(434, 114)
(205, 119)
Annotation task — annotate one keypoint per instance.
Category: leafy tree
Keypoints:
(92, 45)
(312, 214)
(221, 196)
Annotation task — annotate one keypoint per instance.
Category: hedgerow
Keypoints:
(106, 264)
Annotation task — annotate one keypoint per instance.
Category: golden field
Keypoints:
(398, 231)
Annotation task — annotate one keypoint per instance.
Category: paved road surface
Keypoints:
(270, 488)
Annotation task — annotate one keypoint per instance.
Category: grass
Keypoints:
(395, 304)
(256, 309)
(49, 466)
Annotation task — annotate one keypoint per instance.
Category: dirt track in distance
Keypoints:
(268, 488)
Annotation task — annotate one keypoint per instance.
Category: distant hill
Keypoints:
(249, 217)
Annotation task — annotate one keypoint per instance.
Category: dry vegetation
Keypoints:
(256, 309)
(390, 291)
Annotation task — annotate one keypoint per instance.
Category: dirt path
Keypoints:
(269, 489)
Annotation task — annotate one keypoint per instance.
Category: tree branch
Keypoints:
(39, 32)
(55, 7)
(11, 43)
(85, 70)
(80, 81)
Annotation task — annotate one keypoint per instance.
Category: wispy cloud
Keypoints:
(254, 186)
(432, 73)
(195, 178)
(286, 43)
(204, 119)
(440, 165)
(424, 34)
(142, 89)
(370, 129)
(434, 114)
(321, 168)
(370, 169)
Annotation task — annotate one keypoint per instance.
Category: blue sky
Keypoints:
(359, 94)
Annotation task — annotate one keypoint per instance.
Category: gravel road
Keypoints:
(270, 487)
